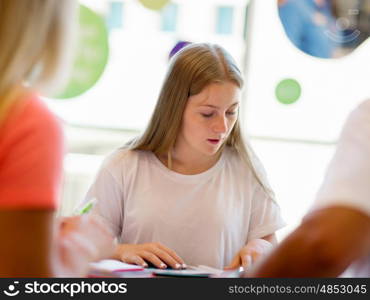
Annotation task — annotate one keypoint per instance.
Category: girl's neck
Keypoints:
(188, 163)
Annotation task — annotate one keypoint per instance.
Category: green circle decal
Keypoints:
(288, 91)
(154, 4)
(92, 54)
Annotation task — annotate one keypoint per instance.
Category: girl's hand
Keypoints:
(250, 253)
(155, 253)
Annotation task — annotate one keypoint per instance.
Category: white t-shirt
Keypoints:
(347, 181)
(205, 218)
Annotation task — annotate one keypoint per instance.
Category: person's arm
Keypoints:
(80, 240)
(271, 238)
(26, 242)
(324, 245)
(31, 247)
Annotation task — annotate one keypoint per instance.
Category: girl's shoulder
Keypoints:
(29, 124)
(30, 113)
(124, 158)
(245, 167)
(233, 158)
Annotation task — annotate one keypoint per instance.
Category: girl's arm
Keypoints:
(253, 251)
(271, 238)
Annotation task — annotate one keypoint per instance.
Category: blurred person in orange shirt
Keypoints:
(35, 43)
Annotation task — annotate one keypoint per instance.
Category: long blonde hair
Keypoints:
(35, 46)
(190, 71)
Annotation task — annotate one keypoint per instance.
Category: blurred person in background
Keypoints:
(311, 26)
(35, 44)
(334, 238)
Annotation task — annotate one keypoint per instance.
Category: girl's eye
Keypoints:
(231, 113)
(207, 115)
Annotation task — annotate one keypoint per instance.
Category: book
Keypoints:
(112, 265)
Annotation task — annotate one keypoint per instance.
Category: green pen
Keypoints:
(86, 208)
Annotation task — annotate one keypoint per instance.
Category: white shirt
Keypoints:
(347, 181)
(205, 218)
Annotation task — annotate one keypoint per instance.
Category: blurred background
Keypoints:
(305, 64)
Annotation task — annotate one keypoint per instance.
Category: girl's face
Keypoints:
(209, 118)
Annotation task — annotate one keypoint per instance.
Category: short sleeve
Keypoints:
(31, 159)
(347, 179)
(265, 215)
(108, 197)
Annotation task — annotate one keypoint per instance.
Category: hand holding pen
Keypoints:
(84, 238)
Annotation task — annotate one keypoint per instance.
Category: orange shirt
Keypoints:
(31, 153)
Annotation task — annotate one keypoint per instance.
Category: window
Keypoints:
(224, 24)
(169, 18)
(115, 14)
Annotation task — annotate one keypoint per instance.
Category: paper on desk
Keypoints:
(206, 269)
(111, 265)
(213, 272)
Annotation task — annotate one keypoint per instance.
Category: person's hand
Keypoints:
(155, 253)
(250, 253)
(80, 240)
(90, 232)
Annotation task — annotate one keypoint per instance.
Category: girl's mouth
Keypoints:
(213, 141)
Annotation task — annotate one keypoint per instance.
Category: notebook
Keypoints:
(112, 265)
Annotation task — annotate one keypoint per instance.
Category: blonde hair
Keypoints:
(35, 46)
(190, 71)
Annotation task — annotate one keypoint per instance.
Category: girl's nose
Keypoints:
(220, 125)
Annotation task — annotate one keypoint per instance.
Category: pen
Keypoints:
(87, 207)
